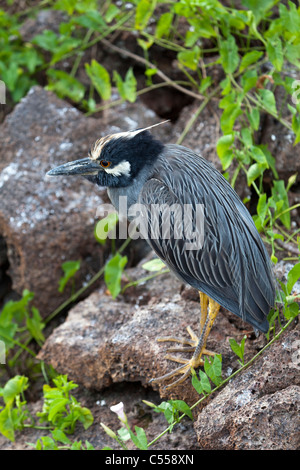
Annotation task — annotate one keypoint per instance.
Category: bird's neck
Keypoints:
(132, 191)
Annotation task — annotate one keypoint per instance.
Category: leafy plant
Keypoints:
(69, 268)
(61, 411)
(14, 414)
(212, 371)
(17, 323)
(238, 349)
(60, 441)
(113, 273)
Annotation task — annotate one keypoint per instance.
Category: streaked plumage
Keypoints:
(233, 266)
(231, 269)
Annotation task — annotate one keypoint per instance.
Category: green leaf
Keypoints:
(269, 158)
(204, 84)
(254, 171)
(238, 349)
(296, 127)
(7, 334)
(85, 417)
(143, 14)
(69, 268)
(57, 405)
(258, 155)
(66, 5)
(30, 58)
(154, 265)
(226, 86)
(13, 388)
(249, 80)
(293, 277)
(292, 54)
(202, 385)
(224, 143)
(229, 116)
(10, 74)
(15, 310)
(91, 20)
(214, 369)
(60, 436)
(229, 55)
(201, 28)
(140, 439)
(259, 8)
(164, 24)
(65, 85)
(190, 58)
(290, 18)
(35, 325)
(254, 118)
(279, 194)
(48, 40)
(249, 59)
(275, 52)
(113, 273)
(168, 410)
(100, 79)
(291, 311)
(46, 443)
(182, 406)
(262, 207)
(268, 100)
(223, 150)
(126, 88)
(246, 137)
(105, 226)
(6, 424)
(111, 12)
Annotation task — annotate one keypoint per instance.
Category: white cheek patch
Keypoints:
(121, 169)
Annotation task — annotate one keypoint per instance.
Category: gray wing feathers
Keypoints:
(232, 267)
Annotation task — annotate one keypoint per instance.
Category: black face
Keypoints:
(114, 161)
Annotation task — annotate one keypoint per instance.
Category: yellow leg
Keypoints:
(195, 344)
(204, 299)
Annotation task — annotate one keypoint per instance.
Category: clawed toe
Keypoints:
(195, 345)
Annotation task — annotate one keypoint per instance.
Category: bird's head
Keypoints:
(115, 160)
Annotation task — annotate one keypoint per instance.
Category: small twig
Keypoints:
(121, 100)
(288, 247)
(148, 64)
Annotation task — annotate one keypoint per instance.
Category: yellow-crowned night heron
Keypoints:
(230, 267)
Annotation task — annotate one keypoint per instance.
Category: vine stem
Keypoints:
(195, 116)
(226, 380)
(148, 64)
(75, 296)
(121, 100)
(144, 279)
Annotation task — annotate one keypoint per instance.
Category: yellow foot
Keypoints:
(192, 344)
(187, 364)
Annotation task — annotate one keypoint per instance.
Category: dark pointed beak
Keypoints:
(85, 166)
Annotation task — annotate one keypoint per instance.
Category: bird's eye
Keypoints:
(105, 163)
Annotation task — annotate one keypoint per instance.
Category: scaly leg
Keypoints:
(195, 344)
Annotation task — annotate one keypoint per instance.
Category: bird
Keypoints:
(230, 268)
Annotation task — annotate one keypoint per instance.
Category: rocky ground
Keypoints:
(109, 346)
